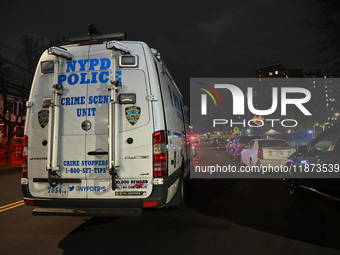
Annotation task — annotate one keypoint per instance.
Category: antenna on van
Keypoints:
(92, 30)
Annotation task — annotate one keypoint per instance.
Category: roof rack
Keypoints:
(100, 37)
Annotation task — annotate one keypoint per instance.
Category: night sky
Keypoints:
(196, 38)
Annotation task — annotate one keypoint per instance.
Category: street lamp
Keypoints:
(322, 126)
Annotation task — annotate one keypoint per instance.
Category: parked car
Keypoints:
(322, 155)
(266, 151)
(238, 145)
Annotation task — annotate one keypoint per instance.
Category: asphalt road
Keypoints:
(221, 216)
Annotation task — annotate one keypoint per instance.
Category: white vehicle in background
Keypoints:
(262, 152)
(106, 129)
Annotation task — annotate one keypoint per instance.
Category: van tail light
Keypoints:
(159, 154)
(25, 157)
(260, 153)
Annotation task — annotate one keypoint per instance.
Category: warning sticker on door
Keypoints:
(124, 184)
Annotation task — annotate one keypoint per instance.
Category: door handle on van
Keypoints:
(94, 153)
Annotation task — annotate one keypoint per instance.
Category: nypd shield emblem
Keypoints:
(132, 114)
(43, 118)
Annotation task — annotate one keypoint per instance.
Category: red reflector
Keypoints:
(159, 137)
(159, 173)
(25, 158)
(29, 202)
(159, 154)
(159, 157)
(24, 171)
(150, 204)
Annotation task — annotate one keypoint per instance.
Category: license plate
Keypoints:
(58, 191)
(276, 153)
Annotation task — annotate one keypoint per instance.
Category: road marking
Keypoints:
(11, 206)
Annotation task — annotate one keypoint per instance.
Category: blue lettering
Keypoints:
(61, 79)
(71, 163)
(71, 66)
(99, 99)
(83, 79)
(72, 100)
(101, 77)
(86, 112)
(94, 77)
(82, 64)
(90, 100)
(93, 63)
(105, 63)
(107, 99)
(73, 79)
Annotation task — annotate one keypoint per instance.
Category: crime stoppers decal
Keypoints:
(132, 114)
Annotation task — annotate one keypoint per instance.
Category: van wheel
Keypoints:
(178, 200)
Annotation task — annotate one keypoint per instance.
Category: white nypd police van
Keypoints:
(106, 131)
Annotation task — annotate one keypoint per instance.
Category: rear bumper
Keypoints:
(100, 207)
(158, 194)
(90, 212)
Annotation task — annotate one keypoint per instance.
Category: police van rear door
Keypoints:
(74, 79)
(133, 126)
